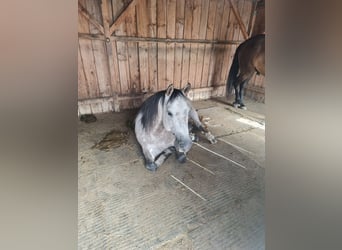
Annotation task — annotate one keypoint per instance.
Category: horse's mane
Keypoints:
(149, 109)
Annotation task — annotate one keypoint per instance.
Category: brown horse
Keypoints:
(249, 58)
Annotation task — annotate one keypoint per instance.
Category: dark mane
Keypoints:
(149, 109)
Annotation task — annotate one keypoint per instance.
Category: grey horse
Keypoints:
(161, 126)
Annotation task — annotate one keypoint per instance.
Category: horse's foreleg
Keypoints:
(163, 156)
(150, 163)
(194, 116)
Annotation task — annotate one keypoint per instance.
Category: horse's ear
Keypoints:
(187, 88)
(169, 90)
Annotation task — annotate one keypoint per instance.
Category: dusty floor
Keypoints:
(213, 201)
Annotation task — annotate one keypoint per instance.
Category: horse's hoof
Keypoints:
(194, 137)
(211, 138)
(242, 106)
(181, 157)
(151, 166)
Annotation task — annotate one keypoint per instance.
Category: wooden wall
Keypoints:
(131, 47)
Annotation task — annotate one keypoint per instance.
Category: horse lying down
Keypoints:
(161, 126)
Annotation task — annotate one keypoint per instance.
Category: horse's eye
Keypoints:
(169, 113)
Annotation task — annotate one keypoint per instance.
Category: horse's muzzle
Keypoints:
(184, 145)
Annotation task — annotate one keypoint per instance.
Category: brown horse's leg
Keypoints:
(239, 89)
(236, 103)
(242, 105)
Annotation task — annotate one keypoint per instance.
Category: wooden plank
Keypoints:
(221, 49)
(106, 15)
(186, 63)
(143, 66)
(126, 11)
(161, 33)
(93, 7)
(225, 20)
(239, 20)
(170, 62)
(177, 79)
(153, 67)
(142, 18)
(201, 47)
(223, 59)
(87, 56)
(117, 7)
(187, 35)
(133, 52)
(83, 89)
(170, 33)
(102, 68)
(229, 52)
(217, 49)
(82, 83)
(123, 67)
(122, 59)
(89, 17)
(110, 11)
(251, 17)
(196, 16)
(116, 83)
(153, 50)
(156, 39)
(245, 14)
(209, 48)
(83, 23)
(143, 30)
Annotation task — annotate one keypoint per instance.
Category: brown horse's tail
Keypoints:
(233, 73)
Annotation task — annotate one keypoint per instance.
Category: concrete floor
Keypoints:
(213, 201)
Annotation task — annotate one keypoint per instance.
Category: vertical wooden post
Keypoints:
(106, 27)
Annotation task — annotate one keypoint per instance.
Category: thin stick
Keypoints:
(222, 156)
(235, 146)
(201, 166)
(188, 188)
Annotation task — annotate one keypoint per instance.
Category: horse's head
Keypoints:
(176, 114)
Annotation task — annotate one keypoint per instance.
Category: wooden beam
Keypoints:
(238, 17)
(90, 17)
(92, 36)
(156, 40)
(110, 57)
(172, 40)
(121, 17)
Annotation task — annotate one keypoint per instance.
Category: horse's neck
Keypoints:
(158, 123)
